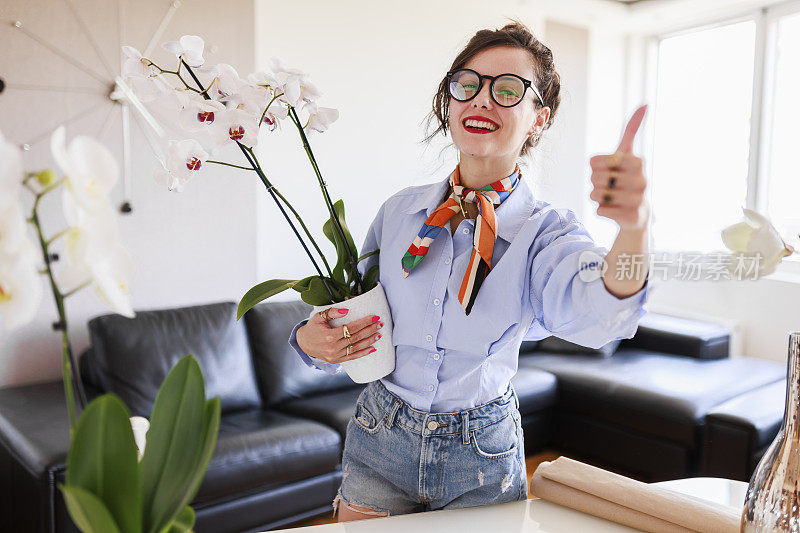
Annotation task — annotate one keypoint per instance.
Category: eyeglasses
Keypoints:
(507, 90)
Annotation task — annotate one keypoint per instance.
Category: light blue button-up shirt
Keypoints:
(448, 361)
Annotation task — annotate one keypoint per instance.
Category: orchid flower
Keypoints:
(10, 172)
(20, 286)
(189, 48)
(184, 159)
(140, 426)
(756, 236)
(226, 83)
(199, 114)
(237, 125)
(320, 117)
(12, 228)
(90, 168)
(135, 65)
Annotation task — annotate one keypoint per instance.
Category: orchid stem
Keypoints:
(69, 368)
(327, 198)
(229, 165)
(57, 236)
(76, 289)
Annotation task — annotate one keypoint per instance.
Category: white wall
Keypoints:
(190, 248)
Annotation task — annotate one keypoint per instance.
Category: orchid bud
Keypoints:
(140, 426)
(45, 177)
(757, 236)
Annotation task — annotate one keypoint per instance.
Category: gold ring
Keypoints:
(346, 332)
(324, 314)
(612, 181)
(349, 346)
(607, 198)
(614, 160)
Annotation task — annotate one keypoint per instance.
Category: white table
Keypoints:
(532, 515)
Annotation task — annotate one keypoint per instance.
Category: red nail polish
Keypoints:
(343, 311)
(372, 350)
(379, 336)
(375, 318)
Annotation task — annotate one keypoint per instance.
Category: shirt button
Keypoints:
(430, 387)
(433, 425)
(429, 338)
(447, 261)
(465, 230)
(436, 357)
(436, 301)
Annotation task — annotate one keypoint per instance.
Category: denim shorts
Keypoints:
(400, 460)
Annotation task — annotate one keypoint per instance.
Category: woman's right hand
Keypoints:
(318, 339)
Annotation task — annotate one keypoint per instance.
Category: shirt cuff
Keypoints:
(615, 313)
(313, 362)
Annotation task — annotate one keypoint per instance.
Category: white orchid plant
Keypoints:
(90, 244)
(755, 239)
(231, 110)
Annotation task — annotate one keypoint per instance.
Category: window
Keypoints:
(712, 152)
(701, 135)
(782, 169)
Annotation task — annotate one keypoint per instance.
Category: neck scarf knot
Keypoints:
(480, 261)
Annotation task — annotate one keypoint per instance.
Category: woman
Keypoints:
(443, 429)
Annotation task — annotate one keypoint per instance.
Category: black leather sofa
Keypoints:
(669, 403)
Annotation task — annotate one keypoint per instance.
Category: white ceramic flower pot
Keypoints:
(380, 362)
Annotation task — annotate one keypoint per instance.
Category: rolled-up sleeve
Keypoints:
(577, 306)
(371, 242)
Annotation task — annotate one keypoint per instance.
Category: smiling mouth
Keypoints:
(479, 126)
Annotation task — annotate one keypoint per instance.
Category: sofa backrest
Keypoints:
(680, 336)
(281, 374)
(131, 357)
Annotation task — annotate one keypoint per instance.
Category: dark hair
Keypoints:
(517, 35)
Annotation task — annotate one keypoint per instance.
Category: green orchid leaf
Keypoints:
(102, 460)
(176, 445)
(317, 294)
(184, 522)
(262, 291)
(87, 511)
(370, 278)
(332, 233)
(303, 284)
(375, 251)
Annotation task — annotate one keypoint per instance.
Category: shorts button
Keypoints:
(466, 230)
(433, 425)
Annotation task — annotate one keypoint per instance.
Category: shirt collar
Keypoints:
(511, 214)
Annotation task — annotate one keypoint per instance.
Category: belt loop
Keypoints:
(465, 426)
(393, 413)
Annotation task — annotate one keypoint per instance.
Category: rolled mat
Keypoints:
(627, 501)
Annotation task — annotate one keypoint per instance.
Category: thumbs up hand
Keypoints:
(619, 183)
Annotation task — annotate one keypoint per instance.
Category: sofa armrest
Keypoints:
(680, 336)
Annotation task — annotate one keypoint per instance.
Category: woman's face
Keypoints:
(514, 124)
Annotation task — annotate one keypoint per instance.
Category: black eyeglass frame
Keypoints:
(481, 77)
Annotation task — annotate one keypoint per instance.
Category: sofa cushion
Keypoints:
(282, 375)
(333, 409)
(258, 449)
(132, 356)
(680, 336)
(650, 392)
(536, 389)
(556, 345)
(737, 431)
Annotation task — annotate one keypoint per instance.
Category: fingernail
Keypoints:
(372, 350)
(343, 311)
(375, 318)
(378, 336)
(380, 324)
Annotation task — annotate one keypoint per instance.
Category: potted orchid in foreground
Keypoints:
(230, 110)
(108, 486)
